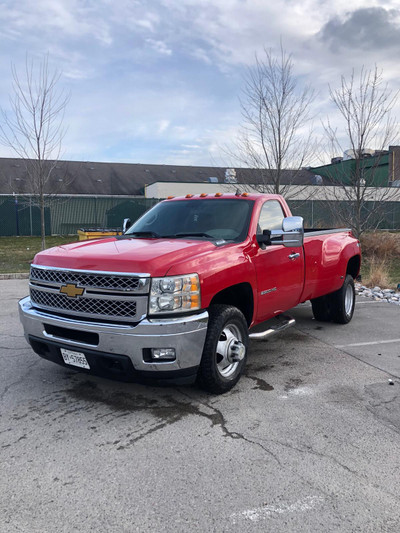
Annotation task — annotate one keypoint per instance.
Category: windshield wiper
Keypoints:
(194, 234)
(140, 234)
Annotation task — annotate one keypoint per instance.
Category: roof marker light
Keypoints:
(203, 195)
(245, 194)
(170, 197)
(189, 196)
(218, 194)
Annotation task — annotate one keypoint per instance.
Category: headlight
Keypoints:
(174, 294)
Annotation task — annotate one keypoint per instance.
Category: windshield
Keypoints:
(209, 219)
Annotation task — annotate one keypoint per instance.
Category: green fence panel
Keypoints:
(64, 215)
(20, 215)
(132, 209)
(71, 214)
(317, 214)
(314, 212)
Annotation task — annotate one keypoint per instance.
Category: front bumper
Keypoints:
(119, 351)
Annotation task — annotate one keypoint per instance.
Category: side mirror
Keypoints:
(126, 224)
(264, 238)
(291, 235)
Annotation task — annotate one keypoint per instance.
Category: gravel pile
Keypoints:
(386, 295)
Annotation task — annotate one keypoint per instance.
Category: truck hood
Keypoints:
(151, 256)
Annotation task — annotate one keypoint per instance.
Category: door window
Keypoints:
(271, 216)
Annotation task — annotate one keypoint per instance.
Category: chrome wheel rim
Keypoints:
(348, 300)
(230, 350)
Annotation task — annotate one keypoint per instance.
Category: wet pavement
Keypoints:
(307, 441)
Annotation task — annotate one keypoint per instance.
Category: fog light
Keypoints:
(163, 353)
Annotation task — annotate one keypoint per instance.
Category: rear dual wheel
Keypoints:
(337, 306)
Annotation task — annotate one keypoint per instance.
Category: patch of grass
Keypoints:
(381, 259)
(17, 253)
(373, 271)
(378, 273)
(381, 244)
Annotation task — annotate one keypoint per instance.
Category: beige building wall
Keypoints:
(294, 192)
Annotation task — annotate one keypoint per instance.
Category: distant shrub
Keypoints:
(379, 244)
(378, 275)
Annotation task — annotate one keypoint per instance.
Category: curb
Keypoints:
(15, 275)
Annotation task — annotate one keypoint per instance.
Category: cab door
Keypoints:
(279, 269)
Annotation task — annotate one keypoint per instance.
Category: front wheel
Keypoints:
(225, 349)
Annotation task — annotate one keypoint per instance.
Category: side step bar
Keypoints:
(274, 325)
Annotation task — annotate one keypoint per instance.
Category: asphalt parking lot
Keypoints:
(307, 441)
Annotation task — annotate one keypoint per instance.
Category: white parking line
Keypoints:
(267, 511)
(366, 343)
(370, 301)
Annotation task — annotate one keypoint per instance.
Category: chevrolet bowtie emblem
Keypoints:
(71, 290)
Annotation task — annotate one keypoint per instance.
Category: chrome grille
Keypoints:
(89, 306)
(113, 282)
(96, 295)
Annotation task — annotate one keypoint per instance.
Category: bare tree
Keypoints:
(274, 138)
(33, 128)
(365, 105)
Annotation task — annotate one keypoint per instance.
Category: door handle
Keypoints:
(294, 256)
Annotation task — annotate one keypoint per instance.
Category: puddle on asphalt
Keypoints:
(166, 410)
(261, 384)
(118, 401)
(293, 383)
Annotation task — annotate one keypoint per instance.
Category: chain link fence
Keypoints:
(317, 214)
(64, 215)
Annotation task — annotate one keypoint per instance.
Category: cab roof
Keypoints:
(225, 196)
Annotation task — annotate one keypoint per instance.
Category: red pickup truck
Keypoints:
(177, 297)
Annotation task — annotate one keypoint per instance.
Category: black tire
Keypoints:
(337, 306)
(343, 302)
(225, 349)
(321, 308)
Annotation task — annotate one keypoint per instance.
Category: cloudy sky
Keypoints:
(159, 81)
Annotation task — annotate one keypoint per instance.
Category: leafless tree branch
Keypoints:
(365, 105)
(275, 136)
(33, 128)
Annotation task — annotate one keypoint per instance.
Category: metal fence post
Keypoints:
(30, 215)
(393, 212)
(312, 213)
(16, 212)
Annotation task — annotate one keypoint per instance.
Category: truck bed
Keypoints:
(323, 231)
(326, 255)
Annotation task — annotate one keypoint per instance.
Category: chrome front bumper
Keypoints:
(185, 334)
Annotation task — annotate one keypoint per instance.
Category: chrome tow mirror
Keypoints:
(291, 235)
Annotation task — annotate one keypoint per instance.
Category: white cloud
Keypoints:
(163, 126)
(146, 24)
(202, 55)
(159, 46)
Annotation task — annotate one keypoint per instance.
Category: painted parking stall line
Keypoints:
(268, 511)
(372, 343)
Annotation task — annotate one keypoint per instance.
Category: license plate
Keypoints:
(74, 358)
